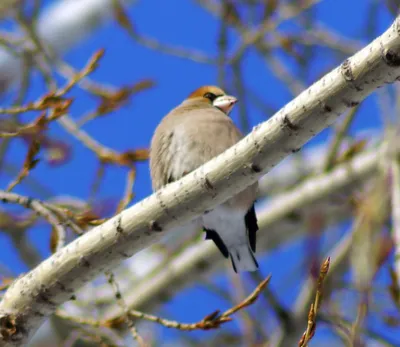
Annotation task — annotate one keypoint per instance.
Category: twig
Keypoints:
(222, 45)
(356, 328)
(247, 329)
(93, 334)
(312, 315)
(249, 300)
(29, 163)
(124, 21)
(338, 139)
(343, 326)
(128, 195)
(211, 321)
(38, 51)
(41, 209)
(238, 82)
(338, 255)
(111, 101)
(105, 154)
(124, 307)
(269, 25)
(55, 99)
(96, 184)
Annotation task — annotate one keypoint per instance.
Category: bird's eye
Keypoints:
(210, 96)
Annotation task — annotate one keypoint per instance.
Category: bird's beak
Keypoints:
(225, 103)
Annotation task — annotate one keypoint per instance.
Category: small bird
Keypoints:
(190, 135)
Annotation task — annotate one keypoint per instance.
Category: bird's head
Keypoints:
(214, 96)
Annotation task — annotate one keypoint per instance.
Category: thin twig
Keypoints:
(124, 307)
(151, 43)
(128, 195)
(211, 321)
(312, 315)
(41, 209)
(55, 99)
(334, 146)
(356, 328)
(29, 163)
(269, 25)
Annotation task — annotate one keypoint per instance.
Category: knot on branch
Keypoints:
(391, 57)
(213, 321)
(287, 123)
(10, 328)
(346, 71)
(155, 226)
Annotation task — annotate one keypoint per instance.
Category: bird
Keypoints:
(193, 133)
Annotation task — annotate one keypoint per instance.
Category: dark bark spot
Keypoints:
(45, 297)
(118, 227)
(28, 202)
(255, 168)
(295, 150)
(9, 328)
(288, 124)
(327, 108)
(294, 216)
(202, 265)
(350, 103)
(84, 262)
(391, 57)
(346, 71)
(63, 287)
(154, 226)
(208, 184)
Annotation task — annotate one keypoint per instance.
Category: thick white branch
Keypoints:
(276, 223)
(36, 295)
(292, 170)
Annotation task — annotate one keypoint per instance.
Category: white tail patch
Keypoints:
(230, 226)
(243, 258)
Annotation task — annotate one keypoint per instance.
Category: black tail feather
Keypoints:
(254, 258)
(252, 227)
(243, 258)
(213, 235)
(233, 264)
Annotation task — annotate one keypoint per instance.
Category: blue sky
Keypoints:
(182, 23)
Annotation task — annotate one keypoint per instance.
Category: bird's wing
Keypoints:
(187, 138)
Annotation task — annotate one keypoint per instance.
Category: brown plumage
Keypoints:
(193, 133)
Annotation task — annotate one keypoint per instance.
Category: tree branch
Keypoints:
(35, 296)
(276, 223)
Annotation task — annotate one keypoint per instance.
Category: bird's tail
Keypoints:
(243, 258)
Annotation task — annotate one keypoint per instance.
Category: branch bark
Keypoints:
(36, 295)
(276, 223)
